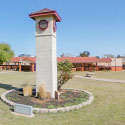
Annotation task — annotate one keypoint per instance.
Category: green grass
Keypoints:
(108, 107)
(120, 75)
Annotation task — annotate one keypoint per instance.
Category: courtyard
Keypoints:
(108, 108)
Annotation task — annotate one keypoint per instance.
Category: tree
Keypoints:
(66, 55)
(108, 56)
(5, 53)
(118, 56)
(97, 57)
(24, 55)
(64, 72)
(85, 54)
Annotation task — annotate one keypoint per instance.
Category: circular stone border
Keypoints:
(54, 110)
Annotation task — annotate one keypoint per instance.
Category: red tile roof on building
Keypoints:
(71, 59)
(45, 12)
(17, 59)
(106, 60)
(84, 59)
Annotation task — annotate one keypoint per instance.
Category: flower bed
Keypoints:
(70, 99)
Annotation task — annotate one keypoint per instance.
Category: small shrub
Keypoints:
(27, 89)
(64, 72)
(41, 91)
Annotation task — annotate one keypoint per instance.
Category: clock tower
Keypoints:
(46, 59)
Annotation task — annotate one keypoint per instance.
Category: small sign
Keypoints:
(23, 109)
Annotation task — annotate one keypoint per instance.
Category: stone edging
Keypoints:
(54, 110)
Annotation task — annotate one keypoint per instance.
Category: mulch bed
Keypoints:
(67, 98)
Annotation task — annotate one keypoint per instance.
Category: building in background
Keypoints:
(123, 61)
(20, 64)
(117, 64)
(88, 63)
(79, 63)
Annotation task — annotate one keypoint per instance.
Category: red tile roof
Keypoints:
(106, 60)
(17, 59)
(71, 59)
(84, 59)
(44, 12)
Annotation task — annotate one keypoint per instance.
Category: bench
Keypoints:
(88, 74)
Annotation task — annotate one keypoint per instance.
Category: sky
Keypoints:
(97, 26)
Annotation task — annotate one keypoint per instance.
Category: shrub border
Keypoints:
(54, 110)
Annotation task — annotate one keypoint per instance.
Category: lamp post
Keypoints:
(20, 67)
(115, 64)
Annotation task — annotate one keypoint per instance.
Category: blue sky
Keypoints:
(97, 26)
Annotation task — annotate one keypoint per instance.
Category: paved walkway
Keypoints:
(100, 79)
(7, 71)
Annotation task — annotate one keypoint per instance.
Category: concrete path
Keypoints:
(7, 72)
(100, 79)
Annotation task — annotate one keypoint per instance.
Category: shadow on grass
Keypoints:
(6, 86)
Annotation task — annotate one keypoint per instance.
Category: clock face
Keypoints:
(43, 24)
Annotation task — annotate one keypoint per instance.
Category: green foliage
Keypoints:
(5, 53)
(85, 54)
(108, 56)
(51, 107)
(64, 72)
(24, 55)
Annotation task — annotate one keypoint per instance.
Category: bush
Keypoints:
(64, 72)
(42, 92)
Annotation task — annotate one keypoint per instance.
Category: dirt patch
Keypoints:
(67, 98)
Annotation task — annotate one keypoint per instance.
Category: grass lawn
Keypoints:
(120, 75)
(108, 107)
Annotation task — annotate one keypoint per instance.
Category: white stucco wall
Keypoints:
(46, 61)
(104, 64)
(116, 62)
(49, 30)
(123, 59)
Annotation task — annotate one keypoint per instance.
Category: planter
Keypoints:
(53, 110)
(27, 91)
